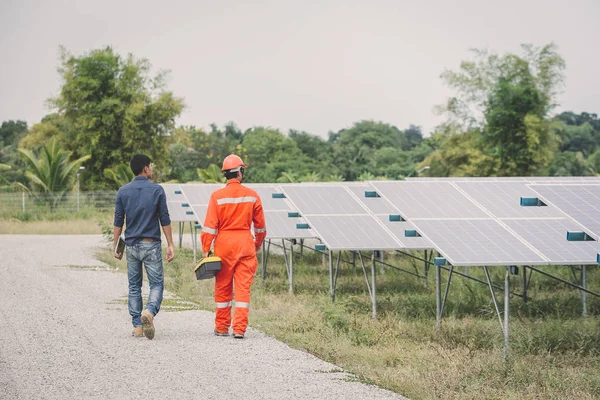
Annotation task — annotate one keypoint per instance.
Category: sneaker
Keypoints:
(217, 333)
(148, 321)
(238, 335)
(137, 332)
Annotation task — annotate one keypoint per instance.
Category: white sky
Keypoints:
(308, 65)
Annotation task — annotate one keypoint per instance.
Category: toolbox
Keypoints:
(208, 267)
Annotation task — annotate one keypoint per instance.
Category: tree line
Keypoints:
(498, 123)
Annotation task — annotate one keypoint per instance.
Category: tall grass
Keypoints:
(555, 353)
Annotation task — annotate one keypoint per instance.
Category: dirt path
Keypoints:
(64, 334)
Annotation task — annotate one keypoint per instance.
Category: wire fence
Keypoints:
(20, 204)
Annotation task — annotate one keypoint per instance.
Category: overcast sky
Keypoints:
(294, 64)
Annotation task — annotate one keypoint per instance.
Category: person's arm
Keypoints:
(118, 224)
(260, 226)
(165, 222)
(210, 226)
(170, 247)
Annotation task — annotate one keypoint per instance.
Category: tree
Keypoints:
(11, 132)
(354, 147)
(51, 172)
(269, 153)
(212, 174)
(120, 175)
(478, 78)
(503, 102)
(116, 109)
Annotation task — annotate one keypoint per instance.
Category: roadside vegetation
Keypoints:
(555, 352)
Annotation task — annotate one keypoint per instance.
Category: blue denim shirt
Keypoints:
(143, 204)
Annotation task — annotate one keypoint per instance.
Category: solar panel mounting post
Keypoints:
(331, 288)
(506, 313)
(438, 298)
(289, 268)
(180, 233)
(584, 284)
(263, 262)
(373, 287)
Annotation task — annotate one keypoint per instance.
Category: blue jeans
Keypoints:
(150, 254)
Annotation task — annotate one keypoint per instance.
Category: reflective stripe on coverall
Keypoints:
(231, 212)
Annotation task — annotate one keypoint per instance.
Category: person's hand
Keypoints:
(170, 253)
(257, 248)
(204, 254)
(118, 256)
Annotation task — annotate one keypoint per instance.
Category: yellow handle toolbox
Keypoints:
(208, 267)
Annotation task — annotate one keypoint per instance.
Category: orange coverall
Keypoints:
(231, 212)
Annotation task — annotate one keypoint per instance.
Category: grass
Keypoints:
(67, 227)
(555, 353)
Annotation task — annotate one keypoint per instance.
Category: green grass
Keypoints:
(555, 353)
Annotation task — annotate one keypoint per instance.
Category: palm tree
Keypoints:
(287, 177)
(120, 175)
(4, 167)
(51, 173)
(212, 174)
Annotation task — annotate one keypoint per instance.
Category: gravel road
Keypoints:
(65, 334)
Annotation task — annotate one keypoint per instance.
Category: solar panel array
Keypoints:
(470, 221)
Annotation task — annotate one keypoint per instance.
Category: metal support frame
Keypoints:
(335, 273)
(374, 288)
(181, 225)
(331, 288)
(584, 292)
(506, 347)
(504, 325)
(439, 302)
(289, 266)
(263, 262)
(584, 288)
(525, 284)
(425, 267)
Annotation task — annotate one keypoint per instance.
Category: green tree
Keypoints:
(11, 132)
(120, 175)
(269, 153)
(51, 173)
(116, 109)
(354, 147)
(212, 174)
(503, 102)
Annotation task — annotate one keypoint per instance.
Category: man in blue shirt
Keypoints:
(143, 204)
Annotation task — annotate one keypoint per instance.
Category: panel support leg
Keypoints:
(584, 285)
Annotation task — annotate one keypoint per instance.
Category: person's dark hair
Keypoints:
(233, 174)
(138, 162)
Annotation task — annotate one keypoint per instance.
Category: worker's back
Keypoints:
(231, 212)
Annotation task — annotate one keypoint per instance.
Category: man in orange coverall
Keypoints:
(231, 212)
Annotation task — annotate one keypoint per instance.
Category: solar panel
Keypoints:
(428, 200)
(170, 190)
(323, 200)
(199, 193)
(200, 211)
(549, 237)
(397, 229)
(502, 199)
(352, 232)
(281, 226)
(265, 192)
(471, 242)
(178, 213)
(580, 202)
(376, 205)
